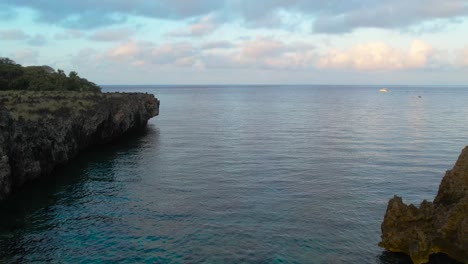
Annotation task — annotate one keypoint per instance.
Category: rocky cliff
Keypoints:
(41, 130)
(440, 226)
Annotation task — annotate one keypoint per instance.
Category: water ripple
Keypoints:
(244, 175)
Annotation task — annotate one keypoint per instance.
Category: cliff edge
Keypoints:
(440, 226)
(41, 130)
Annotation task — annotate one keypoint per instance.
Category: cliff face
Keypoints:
(440, 226)
(39, 132)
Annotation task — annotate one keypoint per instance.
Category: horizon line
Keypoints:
(279, 84)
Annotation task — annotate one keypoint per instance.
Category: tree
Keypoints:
(73, 81)
(41, 78)
(8, 61)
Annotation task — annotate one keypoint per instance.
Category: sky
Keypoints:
(412, 42)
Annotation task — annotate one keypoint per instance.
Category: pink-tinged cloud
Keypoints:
(378, 56)
(465, 56)
(261, 48)
(13, 34)
(124, 51)
(180, 54)
(168, 53)
(203, 27)
(262, 53)
(185, 62)
(26, 57)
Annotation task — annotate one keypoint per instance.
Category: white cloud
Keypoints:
(292, 60)
(378, 56)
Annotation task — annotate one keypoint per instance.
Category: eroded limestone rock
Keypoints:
(440, 226)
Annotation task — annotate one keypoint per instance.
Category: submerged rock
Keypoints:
(41, 130)
(440, 226)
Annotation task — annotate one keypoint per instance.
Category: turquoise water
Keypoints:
(244, 174)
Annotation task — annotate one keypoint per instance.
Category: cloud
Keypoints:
(7, 12)
(378, 56)
(115, 34)
(69, 34)
(262, 47)
(270, 20)
(91, 14)
(26, 57)
(86, 58)
(333, 16)
(20, 35)
(336, 16)
(464, 56)
(125, 50)
(179, 54)
(275, 54)
(261, 52)
(217, 45)
(204, 26)
(386, 14)
(13, 34)
(37, 40)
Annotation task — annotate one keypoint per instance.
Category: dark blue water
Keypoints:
(282, 174)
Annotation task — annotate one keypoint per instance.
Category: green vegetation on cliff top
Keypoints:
(41, 78)
(44, 105)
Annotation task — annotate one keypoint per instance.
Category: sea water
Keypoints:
(244, 174)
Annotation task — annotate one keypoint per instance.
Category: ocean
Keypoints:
(244, 174)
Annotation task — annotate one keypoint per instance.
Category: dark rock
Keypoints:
(440, 226)
(33, 144)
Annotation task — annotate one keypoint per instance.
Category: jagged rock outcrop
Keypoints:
(440, 226)
(33, 143)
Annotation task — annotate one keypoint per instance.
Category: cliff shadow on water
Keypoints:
(36, 207)
(388, 257)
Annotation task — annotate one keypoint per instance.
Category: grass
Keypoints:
(40, 105)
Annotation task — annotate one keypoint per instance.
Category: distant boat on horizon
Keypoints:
(383, 90)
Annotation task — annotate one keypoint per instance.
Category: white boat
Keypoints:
(383, 90)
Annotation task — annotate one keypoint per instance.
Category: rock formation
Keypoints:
(440, 226)
(39, 131)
